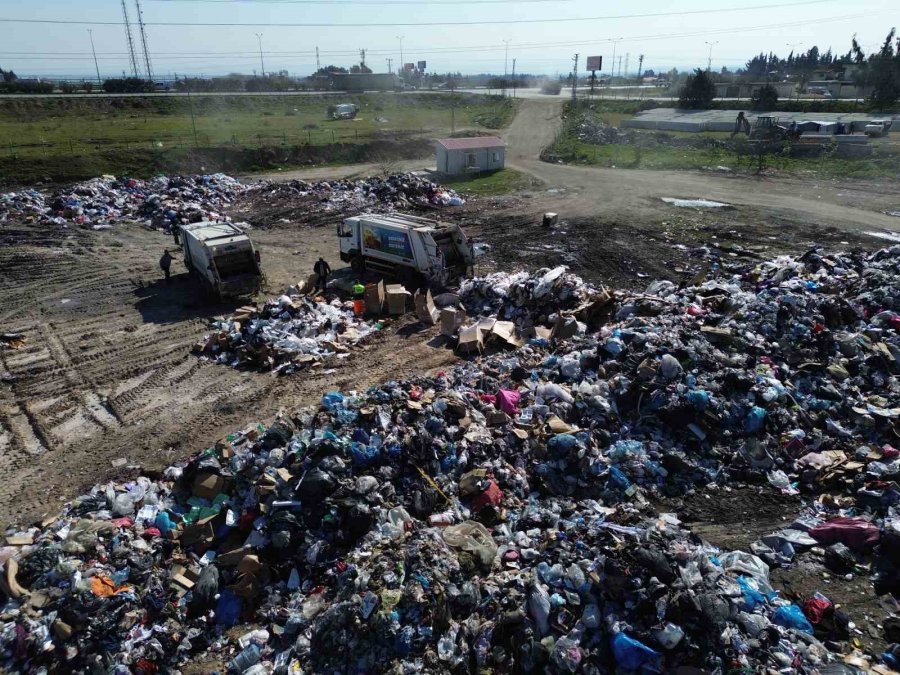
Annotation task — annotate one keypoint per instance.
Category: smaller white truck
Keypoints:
(222, 256)
(410, 248)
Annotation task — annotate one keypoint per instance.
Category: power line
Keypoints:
(421, 23)
(374, 3)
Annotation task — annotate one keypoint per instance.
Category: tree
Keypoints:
(327, 70)
(8, 75)
(765, 98)
(698, 91)
(881, 71)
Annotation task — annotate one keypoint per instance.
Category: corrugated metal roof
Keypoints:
(471, 143)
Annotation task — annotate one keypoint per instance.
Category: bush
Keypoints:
(765, 98)
(551, 87)
(88, 87)
(698, 91)
(67, 87)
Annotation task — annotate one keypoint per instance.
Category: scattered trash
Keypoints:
(499, 515)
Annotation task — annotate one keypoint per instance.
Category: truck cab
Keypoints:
(223, 257)
(436, 252)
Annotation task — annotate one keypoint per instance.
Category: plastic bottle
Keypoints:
(246, 659)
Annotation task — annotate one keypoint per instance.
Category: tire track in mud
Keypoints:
(107, 371)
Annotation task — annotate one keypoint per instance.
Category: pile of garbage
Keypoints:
(591, 130)
(100, 203)
(397, 191)
(499, 516)
(287, 334)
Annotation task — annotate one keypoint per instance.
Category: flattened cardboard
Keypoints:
(470, 339)
(208, 485)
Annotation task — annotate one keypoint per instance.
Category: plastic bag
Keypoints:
(791, 616)
(472, 537)
(633, 655)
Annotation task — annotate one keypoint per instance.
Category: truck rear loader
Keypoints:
(222, 256)
(410, 248)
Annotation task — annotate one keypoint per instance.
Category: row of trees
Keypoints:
(879, 70)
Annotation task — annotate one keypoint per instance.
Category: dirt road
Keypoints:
(107, 373)
(636, 193)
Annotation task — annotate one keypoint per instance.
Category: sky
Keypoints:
(469, 36)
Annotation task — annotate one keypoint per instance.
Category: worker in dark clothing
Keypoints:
(165, 263)
(176, 234)
(322, 270)
(741, 125)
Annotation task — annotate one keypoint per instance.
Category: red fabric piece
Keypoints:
(151, 532)
(487, 398)
(508, 401)
(889, 452)
(856, 533)
(817, 609)
(122, 522)
(492, 495)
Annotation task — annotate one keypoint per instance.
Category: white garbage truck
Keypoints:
(222, 256)
(410, 248)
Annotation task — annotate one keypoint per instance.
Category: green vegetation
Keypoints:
(698, 91)
(766, 98)
(105, 134)
(664, 150)
(502, 182)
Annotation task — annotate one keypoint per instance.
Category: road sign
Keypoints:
(421, 66)
(595, 63)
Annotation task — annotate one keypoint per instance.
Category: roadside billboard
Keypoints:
(409, 66)
(387, 241)
(421, 66)
(595, 63)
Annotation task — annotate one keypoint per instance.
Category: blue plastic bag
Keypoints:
(333, 400)
(363, 455)
(562, 443)
(755, 419)
(633, 655)
(752, 597)
(228, 608)
(791, 616)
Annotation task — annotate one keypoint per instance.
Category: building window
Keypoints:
(471, 159)
(496, 157)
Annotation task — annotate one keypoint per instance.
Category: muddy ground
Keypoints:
(107, 376)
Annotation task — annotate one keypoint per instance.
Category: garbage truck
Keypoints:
(222, 256)
(410, 248)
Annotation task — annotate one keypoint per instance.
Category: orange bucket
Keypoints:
(359, 307)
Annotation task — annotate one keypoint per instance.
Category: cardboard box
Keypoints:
(395, 296)
(425, 309)
(374, 298)
(208, 485)
(471, 339)
(564, 328)
(451, 320)
(505, 331)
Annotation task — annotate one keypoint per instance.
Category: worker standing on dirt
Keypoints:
(165, 263)
(322, 270)
(359, 294)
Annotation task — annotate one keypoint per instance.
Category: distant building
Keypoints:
(470, 155)
(748, 89)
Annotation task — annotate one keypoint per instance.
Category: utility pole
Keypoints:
(641, 69)
(140, 15)
(96, 67)
(400, 37)
(709, 60)
(362, 58)
(390, 61)
(612, 68)
(574, 78)
(318, 65)
(627, 58)
(514, 78)
(505, 60)
(620, 68)
(262, 66)
(129, 38)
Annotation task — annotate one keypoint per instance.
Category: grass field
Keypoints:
(713, 149)
(502, 182)
(98, 130)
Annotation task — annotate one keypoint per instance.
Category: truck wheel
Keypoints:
(358, 264)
